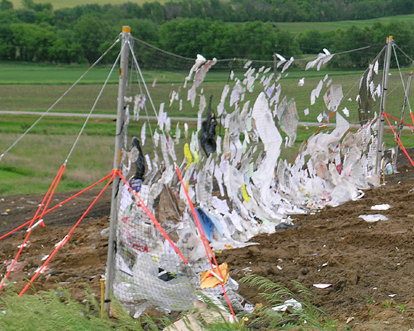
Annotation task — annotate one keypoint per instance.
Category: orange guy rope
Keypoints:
(410, 126)
(52, 187)
(399, 140)
(153, 219)
(66, 238)
(53, 208)
(208, 246)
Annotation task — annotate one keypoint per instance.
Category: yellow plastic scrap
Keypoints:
(195, 157)
(208, 280)
(188, 155)
(244, 193)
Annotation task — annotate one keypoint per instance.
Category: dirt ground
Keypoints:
(370, 265)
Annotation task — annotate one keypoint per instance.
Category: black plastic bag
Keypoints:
(140, 161)
(208, 132)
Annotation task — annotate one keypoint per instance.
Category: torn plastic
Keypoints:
(241, 190)
(289, 120)
(289, 304)
(139, 160)
(208, 133)
(373, 218)
(333, 97)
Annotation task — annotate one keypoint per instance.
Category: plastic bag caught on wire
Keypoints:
(208, 131)
(140, 160)
(366, 98)
(288, 121)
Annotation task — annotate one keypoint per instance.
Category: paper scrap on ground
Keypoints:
(291, 303)
(373, 218)
(385, 206)
(321, 285)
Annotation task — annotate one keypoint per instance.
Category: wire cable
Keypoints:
(93, 108)
(402, 80)
(58, 100)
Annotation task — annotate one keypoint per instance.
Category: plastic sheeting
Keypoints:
(241, 188)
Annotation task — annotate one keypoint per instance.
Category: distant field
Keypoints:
(36, 88)
(31, 165)
(296, 28)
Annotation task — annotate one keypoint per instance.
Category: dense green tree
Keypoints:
(65, 49)
(30, 4)
(32, 42)
(26, 15)
(182, 36)
(153, 11)
(402, 34)
(7, 49)
(218, 41)
(6, 5)
(235, 28)
(8, 17)
(142, 29)
(310, 42)
(131, 10)
(90, 32)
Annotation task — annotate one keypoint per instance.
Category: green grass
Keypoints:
(32, 164)
(36, 88)
(56, 310)
(15, 73)
(298, 27)
(308, 316)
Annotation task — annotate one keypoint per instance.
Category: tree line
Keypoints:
(227, 11)
(37, 33)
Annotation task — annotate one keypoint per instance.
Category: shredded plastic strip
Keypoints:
(139, 74)
(152, 218)
(67, 237)
(145, 85)
(316, 132)
(204, 239)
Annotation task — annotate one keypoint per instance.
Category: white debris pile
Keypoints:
(331, 170)
(240, 190)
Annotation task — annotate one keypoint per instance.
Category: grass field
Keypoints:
(296, 28)
(36, 88)
(32, 164)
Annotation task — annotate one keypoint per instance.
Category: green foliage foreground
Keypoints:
(56, 310)
(308, 316)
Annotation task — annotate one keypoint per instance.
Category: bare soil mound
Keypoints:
(370, 265)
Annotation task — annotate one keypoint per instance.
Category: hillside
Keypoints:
(58, 4)
(299, 27)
